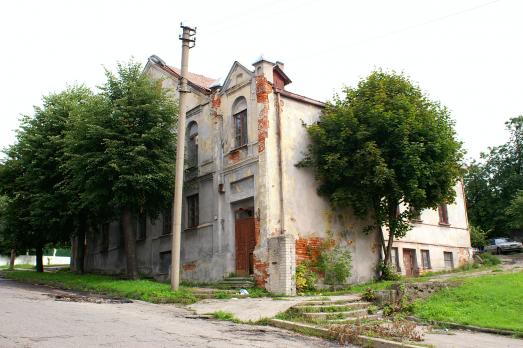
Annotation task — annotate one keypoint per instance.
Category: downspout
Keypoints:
(280, 160)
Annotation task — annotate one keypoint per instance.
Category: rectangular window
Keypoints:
(105, 236)
(425, 259)
(141, 227)
(394, 258)
(443, 214)
(192, 211)
(240, 128)
(165, 262)
(415, 214)
(449, 261)
(167, 220)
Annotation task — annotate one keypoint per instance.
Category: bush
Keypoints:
(388, 272)
(368, 295)
(489, 259)
(305, 277)
(336, 264)
(478, 237)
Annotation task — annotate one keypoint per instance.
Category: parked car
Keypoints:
(503, 245)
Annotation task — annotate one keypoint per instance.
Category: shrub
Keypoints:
(489, 259)
(305, 277)
(368, 295)
(335, 263)
(388, 272)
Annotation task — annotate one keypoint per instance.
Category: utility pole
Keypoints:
(188, 42)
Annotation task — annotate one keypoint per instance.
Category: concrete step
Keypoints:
(329, 302)
(233, 279)
(357, 313)
(353, 319)
(326, 307)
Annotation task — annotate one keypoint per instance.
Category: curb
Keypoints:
(466, 327)
(366, 341)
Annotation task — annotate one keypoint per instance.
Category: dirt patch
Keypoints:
(90, 299)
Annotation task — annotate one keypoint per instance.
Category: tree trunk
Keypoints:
(80, 245)
(389, 247)
(12, 259)
(39, 259)
(130, 243)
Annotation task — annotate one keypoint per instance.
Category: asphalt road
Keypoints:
(32, 316)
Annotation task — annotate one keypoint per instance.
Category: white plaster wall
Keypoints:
(306, 213)
(31, 260)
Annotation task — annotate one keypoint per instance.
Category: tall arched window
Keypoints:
(239, 116)
(192, 145)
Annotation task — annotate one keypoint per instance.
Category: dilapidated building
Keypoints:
(248, 209)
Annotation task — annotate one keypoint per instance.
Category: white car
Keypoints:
(503, 245)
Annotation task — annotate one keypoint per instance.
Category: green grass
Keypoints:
(491, 301)
(146, 290)
(223, 315)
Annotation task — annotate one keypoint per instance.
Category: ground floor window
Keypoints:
(165, 262)
(425, 259)
(394, 259)
(192, 211)
(449, 261)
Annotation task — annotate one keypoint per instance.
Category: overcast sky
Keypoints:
(466, 54)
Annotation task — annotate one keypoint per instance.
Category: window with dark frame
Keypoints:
(141, 227)
(192, 211)
(425, 259)
(105, 236)
(449, 261)
(240, 128)
(192, 145)
(167, 220)
(443, 214)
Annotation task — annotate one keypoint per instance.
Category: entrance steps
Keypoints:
(237, 283)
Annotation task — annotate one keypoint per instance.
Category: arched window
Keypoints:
(239, 115)
(192, 145)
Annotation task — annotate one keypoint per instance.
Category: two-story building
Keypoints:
(248, 210)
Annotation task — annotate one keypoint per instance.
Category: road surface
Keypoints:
(32, 316)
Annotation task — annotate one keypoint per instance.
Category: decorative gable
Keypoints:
(238, 74)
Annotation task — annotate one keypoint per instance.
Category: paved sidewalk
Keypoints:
(469, 339)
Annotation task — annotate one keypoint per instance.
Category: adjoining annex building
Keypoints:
(248, 210)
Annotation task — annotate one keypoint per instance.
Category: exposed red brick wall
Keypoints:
(261, 273)
(257, 230)
(216, 101)
(234, 156)
(307, 249)
(190, 266)
(263, 89)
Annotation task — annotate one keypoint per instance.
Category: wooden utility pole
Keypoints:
(188, 42)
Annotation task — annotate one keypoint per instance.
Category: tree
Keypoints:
(39, 210)
(515, 211)
(383, 144)
(478, 237)
(493, 182)
(121, 151)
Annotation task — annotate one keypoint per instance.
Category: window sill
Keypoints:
(189, 229)
(444, 224)
(244, 146)
(416, 221)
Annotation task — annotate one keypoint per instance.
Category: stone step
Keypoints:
(357, 313)
(328, 302)
(251, 279)
(353, 319)
(322, 307)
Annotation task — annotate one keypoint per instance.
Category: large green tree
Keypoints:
(121, 152)
(38, 210)
(493, 182)
(381, 145)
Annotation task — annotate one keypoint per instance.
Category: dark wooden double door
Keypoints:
(245, 244)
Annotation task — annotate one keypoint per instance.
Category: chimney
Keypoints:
(280, 64)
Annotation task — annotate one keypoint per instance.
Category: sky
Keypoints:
(466, 54)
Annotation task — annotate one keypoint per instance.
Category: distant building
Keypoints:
(248, 210)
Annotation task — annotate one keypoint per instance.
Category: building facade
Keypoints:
(248, 210)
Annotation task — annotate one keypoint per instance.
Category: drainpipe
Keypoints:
(280, 160)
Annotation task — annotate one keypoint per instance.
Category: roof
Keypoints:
(199, 80)
(301, 98)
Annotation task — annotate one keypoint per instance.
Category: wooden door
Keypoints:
(245, 244)
(408, 261)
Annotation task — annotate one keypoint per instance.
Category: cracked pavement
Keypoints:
(34, 316)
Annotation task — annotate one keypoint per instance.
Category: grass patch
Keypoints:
(223, 315)
(146, 290)
(491, 301)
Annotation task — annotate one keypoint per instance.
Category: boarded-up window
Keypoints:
(192, 211)
(425, 259)
(239, 112)
(443, 214)
(449, 261)
(165, 262)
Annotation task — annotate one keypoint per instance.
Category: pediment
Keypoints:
(238, 74)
